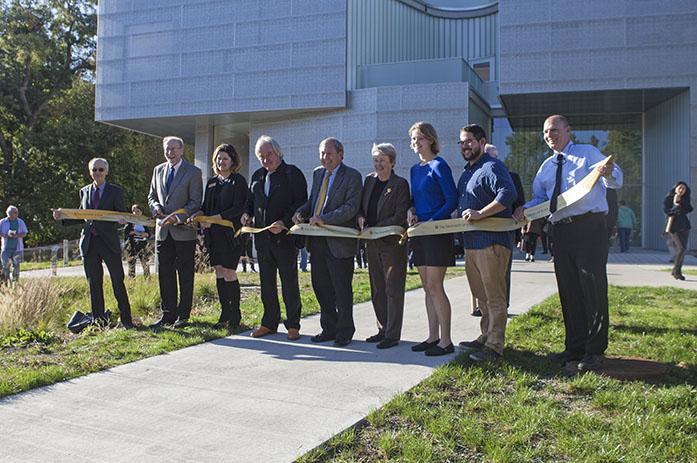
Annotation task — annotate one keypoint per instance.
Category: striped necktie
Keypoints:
(322, 194)
(557, 185)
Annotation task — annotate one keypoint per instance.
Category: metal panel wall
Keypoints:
(666, 160)
(388, 31)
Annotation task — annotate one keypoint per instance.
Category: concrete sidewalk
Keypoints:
(251, 400)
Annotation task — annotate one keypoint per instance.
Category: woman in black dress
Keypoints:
(676, 206)
(225, 197)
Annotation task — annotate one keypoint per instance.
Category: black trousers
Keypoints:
(387, 268)
(332, 282)
(279, 260)
(580, 261)
(176, 259)
(97, 253)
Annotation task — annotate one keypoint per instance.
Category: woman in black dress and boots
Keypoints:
(676, 206)
(225, 197)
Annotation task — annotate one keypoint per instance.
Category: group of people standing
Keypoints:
(277, 197)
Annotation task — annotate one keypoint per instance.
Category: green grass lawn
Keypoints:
(26, 266)
(523, 409)
(49, 353)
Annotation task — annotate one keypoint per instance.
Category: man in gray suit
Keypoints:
(334, 200)
(175, 184)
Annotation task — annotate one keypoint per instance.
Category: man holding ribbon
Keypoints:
(485, 189)
(276, 191)
(176, 185)
(100, 242)
(580, 241)
(334, 200)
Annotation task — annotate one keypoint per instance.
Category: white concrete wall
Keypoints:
(161, 58)
(381, 114)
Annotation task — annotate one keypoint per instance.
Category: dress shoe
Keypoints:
(467, 346)
(220, 325)
(161, 323)
(181, 323)
(262, 331)
(341, 342)
(423, 346)
(293, 334)
(437, 350)
(477, 312)
(322, 337)
(485, 355)
(128, 326)
(679, 277)
(591, 363)
(563, 357)
(376, 337)
(387, 343)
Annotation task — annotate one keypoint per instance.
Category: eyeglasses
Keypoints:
(98, 169)
(465, 142)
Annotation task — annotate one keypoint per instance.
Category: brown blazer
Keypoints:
(394, 201)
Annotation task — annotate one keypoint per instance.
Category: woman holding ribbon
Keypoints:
(385, 202)
(225, 198)
(434, 197)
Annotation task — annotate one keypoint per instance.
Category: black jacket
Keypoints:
(287, 192)
(111, 200)
(231, 204)
(679, 212)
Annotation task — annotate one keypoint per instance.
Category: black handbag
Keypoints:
(79, 321)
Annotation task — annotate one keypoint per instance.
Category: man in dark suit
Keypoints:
(277, 190)
(334, 200)
(175, 184)
(99, 242)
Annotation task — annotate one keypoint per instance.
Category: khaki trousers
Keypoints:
(486, 273)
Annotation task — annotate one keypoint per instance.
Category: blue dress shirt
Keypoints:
(578, 161)
(481, 183)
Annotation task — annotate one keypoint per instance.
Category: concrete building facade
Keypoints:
(364, 70)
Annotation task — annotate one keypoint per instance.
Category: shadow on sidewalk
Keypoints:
(278, 347)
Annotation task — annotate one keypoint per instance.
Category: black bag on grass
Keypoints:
(79, 321)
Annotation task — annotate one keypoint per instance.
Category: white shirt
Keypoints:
(578, 161)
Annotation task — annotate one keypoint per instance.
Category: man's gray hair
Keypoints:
(489, 149)
(275, 147)
(93, 160)
(170, 138)
(11, 209)
(335, 141)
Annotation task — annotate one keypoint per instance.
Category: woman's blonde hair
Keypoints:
(429, 133)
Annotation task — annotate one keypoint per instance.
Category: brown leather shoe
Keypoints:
(262, 331)
(293, 334)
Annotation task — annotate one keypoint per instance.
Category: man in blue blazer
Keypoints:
(175, 185)
(99, 241)
(335, 200)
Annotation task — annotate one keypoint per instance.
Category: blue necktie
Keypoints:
(170, 179)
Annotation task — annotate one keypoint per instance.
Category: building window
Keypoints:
(482, 70)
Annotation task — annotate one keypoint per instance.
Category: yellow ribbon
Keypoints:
(500, 224)
(335, 231)
(104, 216)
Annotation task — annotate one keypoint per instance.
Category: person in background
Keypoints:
(248, 253)
(676, 206)
(626, 221)
(531, 231)
(136, 237)
(303, 259)
(12, 230)
(434, 197)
